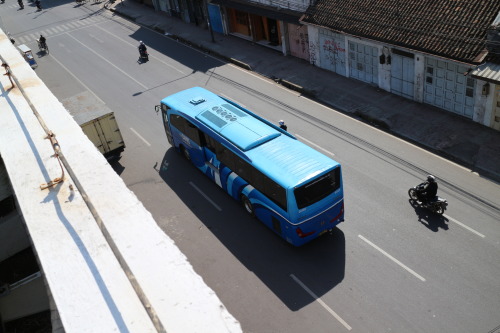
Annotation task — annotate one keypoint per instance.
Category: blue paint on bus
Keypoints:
(292, 188)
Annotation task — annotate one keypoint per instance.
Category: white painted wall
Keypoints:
(483, 104)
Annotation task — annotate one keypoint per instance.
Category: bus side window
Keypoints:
(192, 132)
(177, 122)
(186, 127)
(208, 141)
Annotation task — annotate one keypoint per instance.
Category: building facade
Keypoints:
(417, 52)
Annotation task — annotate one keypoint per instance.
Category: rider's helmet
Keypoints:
(431, 178)
(281, 122)
(141, 42)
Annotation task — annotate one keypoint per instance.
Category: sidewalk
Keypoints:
(463, 141)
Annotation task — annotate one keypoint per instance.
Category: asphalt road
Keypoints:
(389, 267)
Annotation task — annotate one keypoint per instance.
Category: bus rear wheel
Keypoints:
(248, 205)
(185, 153)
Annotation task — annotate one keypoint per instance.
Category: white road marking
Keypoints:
(393, 259)
(140, 137)
(109, 62)
(464, 226)
(151, 56)
(206, 196)
(323, 304)
(315, 145)
(77, 79)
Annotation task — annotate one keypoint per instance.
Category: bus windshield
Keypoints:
(317, 189)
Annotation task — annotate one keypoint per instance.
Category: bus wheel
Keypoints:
(248, 205)
(185, 153)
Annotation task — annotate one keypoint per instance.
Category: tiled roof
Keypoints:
(454, 29)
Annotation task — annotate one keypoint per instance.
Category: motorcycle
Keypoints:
(143, 55)
(437, 205)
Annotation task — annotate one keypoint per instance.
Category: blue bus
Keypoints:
(293, 189)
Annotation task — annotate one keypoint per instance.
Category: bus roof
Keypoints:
(237, 126)
(290, 162)
(282, 158)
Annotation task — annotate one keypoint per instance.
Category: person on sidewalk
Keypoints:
(282, 125)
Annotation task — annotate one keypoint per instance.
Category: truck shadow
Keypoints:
(319, 265)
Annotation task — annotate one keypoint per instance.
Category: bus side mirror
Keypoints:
(157, 108)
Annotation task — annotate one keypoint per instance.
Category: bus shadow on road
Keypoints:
(286, 270)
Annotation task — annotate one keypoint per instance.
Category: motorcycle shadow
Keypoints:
(429, 219)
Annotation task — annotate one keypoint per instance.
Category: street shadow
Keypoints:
(319, 265)
(430, 220)
(117, 166)
(170, 48)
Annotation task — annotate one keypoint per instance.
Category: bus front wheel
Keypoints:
(248, 205)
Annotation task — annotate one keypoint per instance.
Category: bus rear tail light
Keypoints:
(339, 214)
(302, 234)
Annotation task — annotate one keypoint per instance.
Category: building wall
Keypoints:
(413, 75)
(483, 107)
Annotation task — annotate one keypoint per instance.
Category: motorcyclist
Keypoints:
(38, 4)
(42, 41)
(142, 48)
(21, 4)
(429, 189)
(282, 125)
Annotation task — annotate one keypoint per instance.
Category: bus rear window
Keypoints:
(317, 189)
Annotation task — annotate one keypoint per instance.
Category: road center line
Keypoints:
(323, 304)
(315, 145)
(205, 196)
(109, 62)
(76, 78)
(140, 137)
(393, 259)
(151, 56)
(464, 226)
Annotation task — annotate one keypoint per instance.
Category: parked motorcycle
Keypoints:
(437, 205)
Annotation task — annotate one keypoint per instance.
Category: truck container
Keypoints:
(103, 131)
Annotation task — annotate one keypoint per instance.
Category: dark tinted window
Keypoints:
(317, 189)
(186, 127)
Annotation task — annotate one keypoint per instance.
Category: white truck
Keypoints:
(98, 122)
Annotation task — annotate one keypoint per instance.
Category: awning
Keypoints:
(488, 71)
(273, 12)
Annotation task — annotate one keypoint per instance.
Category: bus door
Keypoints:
(211, 160)
(164, 115)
